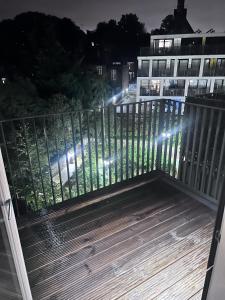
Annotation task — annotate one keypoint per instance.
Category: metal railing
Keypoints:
(188, 72)
(173, 92)
(184, 50)
(53, 158)
(162, 73)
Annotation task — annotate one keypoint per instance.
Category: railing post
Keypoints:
(161, 116)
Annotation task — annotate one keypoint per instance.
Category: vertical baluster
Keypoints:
(149, 135)
(103, 142)
(39, 161)
(127, 142)
(14, 132)
(133, 136)
(36, 198)
(177, 129)
(212, 167)
(165, 139)
(154, 134)
(82, 151)
(96, 148)
(121, 142)
(207, 150)
(172, 125)
(138, 136)
(183, 140)
(58, 157)
(67, 160)
(75, 153)
(89, 151)
(109, 146)
(160, 127)
(201, 146)
(10, 169)
(48, 157)
(143, 139)
(195, 127)
(115, 143)
(186, 154)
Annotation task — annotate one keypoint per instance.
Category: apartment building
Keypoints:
(180, 65)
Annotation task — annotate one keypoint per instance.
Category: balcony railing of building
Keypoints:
(173, 92)
(143, 73)
(197, 91)
(214, 72)
(184, 50)
(149, 92)
(188, 72)
(54, 158)
(162, 73)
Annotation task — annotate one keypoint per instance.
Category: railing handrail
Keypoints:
(117, 105)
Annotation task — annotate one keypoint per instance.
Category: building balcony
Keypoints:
(198, 91)
(162, 73)
(173, 92)
(188, 73)
(183, 50)
(149, 92)
(114, 205)
(143, 73)
(214, 72)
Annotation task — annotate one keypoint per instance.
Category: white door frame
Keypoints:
(12, 232)
(217, 282)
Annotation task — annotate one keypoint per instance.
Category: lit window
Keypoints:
(113, 75)
(99, 70)
(165, 43)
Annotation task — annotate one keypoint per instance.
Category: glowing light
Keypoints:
(107, 162)
(166, 134)
(3, 80)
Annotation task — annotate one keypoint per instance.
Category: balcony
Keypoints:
(214, 72)
(188, 72)
(143, 73)
(148, 92)
(184, 50)
(198, 91)
(162, 73)
(173, 92)
(107, 200)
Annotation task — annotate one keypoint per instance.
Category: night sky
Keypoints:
(203, 14)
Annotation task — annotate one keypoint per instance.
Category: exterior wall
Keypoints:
(174, 74)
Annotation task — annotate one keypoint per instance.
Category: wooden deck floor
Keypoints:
(149, 243)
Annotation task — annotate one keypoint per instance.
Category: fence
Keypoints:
(52, 158)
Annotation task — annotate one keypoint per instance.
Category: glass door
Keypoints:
(14, 282)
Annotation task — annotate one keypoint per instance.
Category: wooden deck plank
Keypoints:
(112, 227)
(187, 286)
(89, 273)
(144, 223)
(112, 248)
(171, 276)
(37, 232)
(151, 264)
(197, 296)
(90, 212)
(57, 238)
